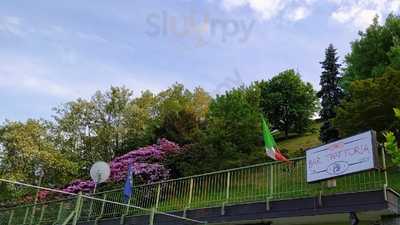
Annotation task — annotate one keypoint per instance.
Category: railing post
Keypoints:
(33, 212)
(90, 209)
(158, 195)
(190, 192)
(77, 209)
(126, 211)
(60, 211)
(271, 188)
(103, 204)
(11, 217)
(384, 165)
(36, 201)
(152, 214)
(42, 212)
(228, 183)
(385, 185)
(26, 215)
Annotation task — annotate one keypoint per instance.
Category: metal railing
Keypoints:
(65, 212)
(262, 182)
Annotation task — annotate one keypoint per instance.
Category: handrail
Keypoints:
(206, 174)
(80, 196)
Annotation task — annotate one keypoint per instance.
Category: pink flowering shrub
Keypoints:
(146, 163)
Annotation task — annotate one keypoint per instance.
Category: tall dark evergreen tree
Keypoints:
(330, 94)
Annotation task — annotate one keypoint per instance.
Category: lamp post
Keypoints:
(39, 173)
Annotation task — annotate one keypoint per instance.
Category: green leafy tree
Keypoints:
(391, 144)
(181, 114)
(288, 102)
(369, 56)
(93, 129)
(370, 105)
(140, 121)
(27, 145)
(330, 95)
(232, 136)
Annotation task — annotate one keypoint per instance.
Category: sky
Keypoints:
(53, 52)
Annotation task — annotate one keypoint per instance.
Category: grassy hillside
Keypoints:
(296, 144)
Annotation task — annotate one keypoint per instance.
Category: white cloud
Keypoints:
(11, 25)
(299, 13)
(32, 77)
(360, 13)
(293, 10)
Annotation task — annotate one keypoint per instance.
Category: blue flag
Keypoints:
(128, 185)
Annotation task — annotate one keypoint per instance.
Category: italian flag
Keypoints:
(270, 146)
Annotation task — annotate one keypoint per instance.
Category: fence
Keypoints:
(262, 182)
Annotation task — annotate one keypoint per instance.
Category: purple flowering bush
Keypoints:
(146, 163)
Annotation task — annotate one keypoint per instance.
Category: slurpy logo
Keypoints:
(199, 28)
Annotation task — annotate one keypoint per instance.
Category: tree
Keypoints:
(93, 129)
(232, 136)
(140, 121)
(288, 102)
(181, 114)
(330, 94)
(28, 145)
(369, 56)
(370, 105)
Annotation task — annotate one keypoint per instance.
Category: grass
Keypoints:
(297, 144)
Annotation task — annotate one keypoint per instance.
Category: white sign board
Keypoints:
(349, 155)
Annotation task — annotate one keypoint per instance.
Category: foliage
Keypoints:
(232, 136)
(330, 94)
(25, 146)
(391, 144)
(182, 114)
(370, 105)
(288, 102)
(111, 123)
(215, 133)
(373, 52)
(93, 130)
(392, 147)
(146, 163)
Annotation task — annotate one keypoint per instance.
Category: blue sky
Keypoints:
(53, 52)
